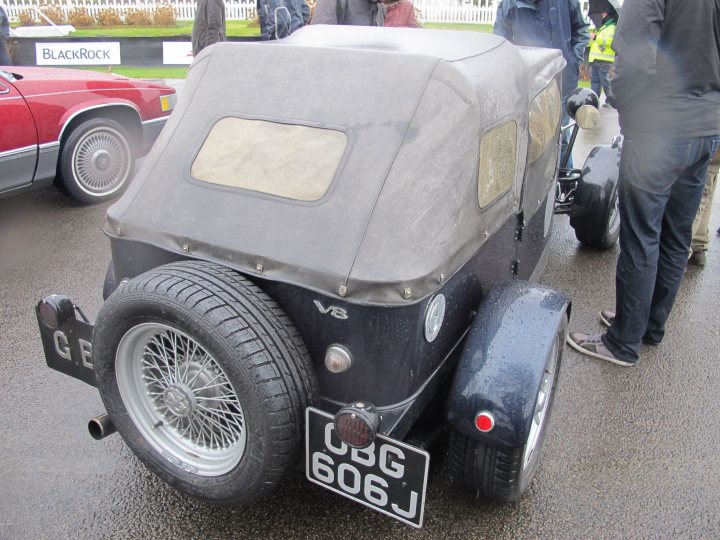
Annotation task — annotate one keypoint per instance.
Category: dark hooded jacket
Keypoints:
(667, 72)
(556, 24)
(4, 36)
(350, 12)
(209, 25)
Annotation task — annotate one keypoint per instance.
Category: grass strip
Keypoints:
(141, 72)
(183, 28)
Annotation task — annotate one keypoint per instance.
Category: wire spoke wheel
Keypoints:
(180, 399)
(542, 406)
(101, 161)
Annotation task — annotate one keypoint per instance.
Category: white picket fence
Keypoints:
(457, 12)
(451, 11)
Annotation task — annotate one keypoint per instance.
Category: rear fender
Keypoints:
(503, 361)
(596, 185)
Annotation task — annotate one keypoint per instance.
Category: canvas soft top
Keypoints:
(401, 209)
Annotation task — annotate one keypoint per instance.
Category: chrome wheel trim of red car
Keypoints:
(101, 162)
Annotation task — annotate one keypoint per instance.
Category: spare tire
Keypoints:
(205, 378)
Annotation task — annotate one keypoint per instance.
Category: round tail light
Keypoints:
(484, 421)
(357, 424)
(54, 310)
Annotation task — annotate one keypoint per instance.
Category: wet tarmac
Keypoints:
(631, 452)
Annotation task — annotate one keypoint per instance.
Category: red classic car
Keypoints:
(83, 129)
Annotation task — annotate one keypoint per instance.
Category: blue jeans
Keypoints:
(660, 186)
(600, 79)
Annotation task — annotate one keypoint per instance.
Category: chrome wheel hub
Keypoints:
(180, 399)
(101, 161)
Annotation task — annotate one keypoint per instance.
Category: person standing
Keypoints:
(667, 92)
(4, 37)
(602, 55)
(348, 12)
(557, 24)
(209, 24)
(390, 13)
(701, 226)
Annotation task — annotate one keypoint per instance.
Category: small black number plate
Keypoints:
(389, 476)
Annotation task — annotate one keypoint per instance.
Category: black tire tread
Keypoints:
(489, 470)
(589, 233)
(248, 320)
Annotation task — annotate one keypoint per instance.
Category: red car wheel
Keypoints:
(96, 160)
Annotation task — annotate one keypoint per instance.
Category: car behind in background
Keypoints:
(82, 129)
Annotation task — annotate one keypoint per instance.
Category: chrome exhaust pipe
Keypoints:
(101, 426)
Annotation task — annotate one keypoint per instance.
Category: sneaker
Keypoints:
(592, 345)
(697, 258)
(607, 317)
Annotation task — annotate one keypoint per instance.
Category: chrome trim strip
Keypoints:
(18, 151)
(94, 90)
(155, 121)
(46, 147)
(103, 106)
(4, 89)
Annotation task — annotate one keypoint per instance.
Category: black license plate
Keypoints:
(68, 349)
(389, 476)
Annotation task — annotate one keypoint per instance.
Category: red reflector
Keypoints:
(353, 430)
(54, 310)
(48, 315)
(484, 421)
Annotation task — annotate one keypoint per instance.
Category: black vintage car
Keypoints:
(326, 259)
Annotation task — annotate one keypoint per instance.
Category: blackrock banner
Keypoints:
(77, 54)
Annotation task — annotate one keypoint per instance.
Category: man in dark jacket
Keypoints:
(4, 36)
(556, 24)
(349, 12)
(667, 92)
(209, 25)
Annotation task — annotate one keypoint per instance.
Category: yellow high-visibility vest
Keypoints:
(601, 46)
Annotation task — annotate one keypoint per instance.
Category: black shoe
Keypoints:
(697, 258)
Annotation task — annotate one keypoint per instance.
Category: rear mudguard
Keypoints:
(503, 361)
(596, 185)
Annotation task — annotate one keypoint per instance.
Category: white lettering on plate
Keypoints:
(62, 345)
(86, 353)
